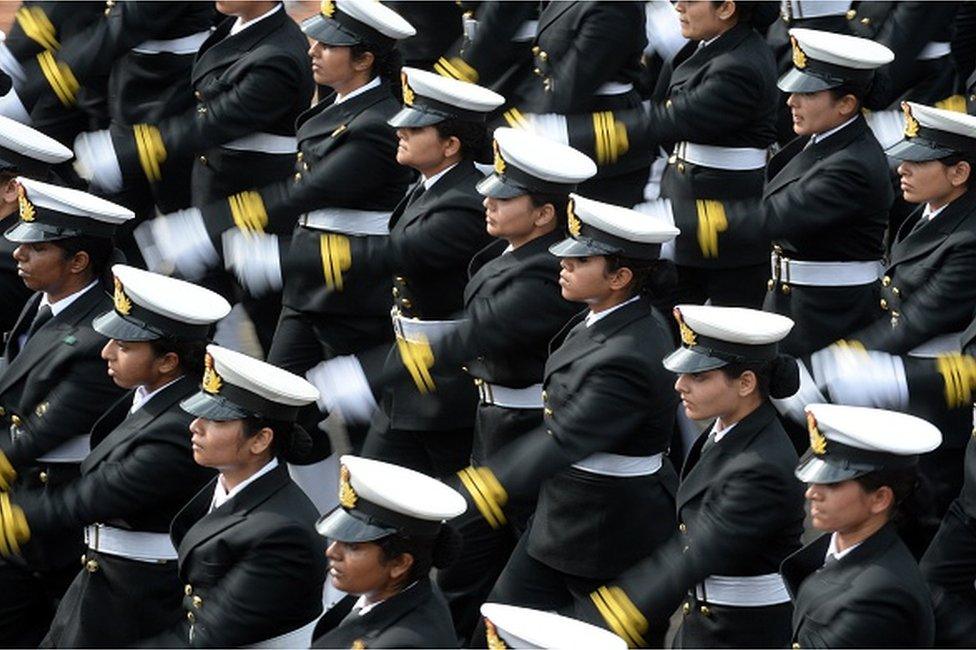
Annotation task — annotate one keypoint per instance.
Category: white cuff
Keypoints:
(254, 258)
(551, 126)
(877, 380)
(10, 65)
(794, 407)
(12, 107)
(660, 210)
(97, 162)
(177, 242)
(888, 126)
(343, 389)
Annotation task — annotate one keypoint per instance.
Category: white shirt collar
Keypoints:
(64, 303)
(141, 396)
(817, 137)
(222, 496)
(929, 213)
(359, 91)
(436, 177)
(362, 608)
(721, 433)
(240, 25)
(832, 549)
(594, 317)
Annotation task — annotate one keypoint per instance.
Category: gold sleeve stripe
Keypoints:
(488, 494)
(152, 151)
(248, 212)
(959, 375)
(336, 258)
(479, 500)
(621, 614)
(14, 523)
(955, 103)
(7, 472)
(711, 221)
(610, 140)
(37, 26)
(418, 359)
(456, 68)
(515, 119)
(60, 78)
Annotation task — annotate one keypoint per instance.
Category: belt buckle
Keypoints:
(395, 317)
(777, 264)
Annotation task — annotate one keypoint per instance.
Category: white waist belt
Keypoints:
(184, 45)
(74, 450)
(934, 50)
(300, 638)
(614, 88)
(732, 158)
(617, 465)
(526, 31)
(264, 143)
(825, 274)
(951, 342)
(131, 544)
(513, 398)
(414, 329)
(743, 591)
(347, 221)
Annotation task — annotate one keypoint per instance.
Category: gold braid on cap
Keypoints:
(911, 124)
(27, 211)
(499, 161)
(818, 443)
(327, 8)
(122, 303)
(688, 336)
(211, 380)
(408, 96)
(347, 495)
(799, 56)
(573, 222)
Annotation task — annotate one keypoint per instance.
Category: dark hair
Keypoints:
(652, 278)
(958, 157)
(778, 378)
(386, 64)
(758, 15)
(191, 353)
(913, 508)
(559, 202)
(472, 135)
(99, 249)
(872, 95)
(440, 551)
(290, 443)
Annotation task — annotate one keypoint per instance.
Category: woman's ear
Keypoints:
(881, 499)
(261, 441)
(547, 213)
(960, 173)
(364, 61)
(401, 565)
(748, 383)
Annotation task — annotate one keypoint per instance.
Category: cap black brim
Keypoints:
(915, 152)
(797, 81)
(687, 361)
(570, 247)
(213, 407)
(24, 232)
(497, 187)
(412, 118)
(114, 326)
(325, 31)
(817, 469)
(342, 526)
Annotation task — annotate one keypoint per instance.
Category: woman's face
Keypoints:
(510, 219)
(359, 568)
(816, 112)
(585, 279)
(332, 65)
(839, 507)
(707, 395)
(42, 266)
(421, 148)
(925, 182)
(220, 444)
(701, 20)
(131, 363)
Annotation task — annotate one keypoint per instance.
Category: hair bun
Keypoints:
(784, 380)
(299, 445)
(447, 547)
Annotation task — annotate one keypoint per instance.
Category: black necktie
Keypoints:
(43, 315)
(417, 192)
(709, 443)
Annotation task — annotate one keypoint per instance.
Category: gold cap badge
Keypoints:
(211, 380)
(328, 8)
(122, 303)
(499, 161)
(495, 642)
(818, 443)
(688, 336)
(27, 211)
(347, 495)
(573, 222)
(911, 124)
(799, 56)
(408, 96)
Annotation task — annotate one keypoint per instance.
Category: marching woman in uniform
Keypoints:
(53, 385)
(390, 528)
(140, 471)
(513, 307)
(740, 511)
(336, 299)
(859, 586)
(606, 490)
(252, 563)
(434, 232)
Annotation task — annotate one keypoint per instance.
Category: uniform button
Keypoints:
(198, 95)
(406, 303)
(478, 381)
(299, 156)
(15, 420)
(201, 109)
(895, 291)
(197, 602)
(84, 558)
(547, 411)
(537, 72)
(190, 616)
(91, 566)
(298, 177)
(851, 13)
(543, 56)
(668, 104)
(686, 609)
(884, 304)
(396, 292)
(400, 279)
(188, 590)
(681, 167)
(886, 281)
(549, 431)
(42, 477)
(3, 411)
(865, 21)
(770, 284)
(705, 611)
(785, 289)
(536, 49)
(682, 527)
(545, 396)
(972, 98)
(796, 646)
(203, 160)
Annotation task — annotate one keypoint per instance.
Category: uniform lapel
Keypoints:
(329, 118)
(701, 56)
(801, 163)
(582, 340)
(21, 326)
(501, 263)
(387, 614)
(929, 235)
(221, 50)
(551, 13)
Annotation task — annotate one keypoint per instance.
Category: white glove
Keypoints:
(254, 258)
(794, 407)
(859, 377)
(97, 162)
(12, 107)
(343, 389)
(551, 126)
(177, 242)
(888, 126)
(660, 210)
